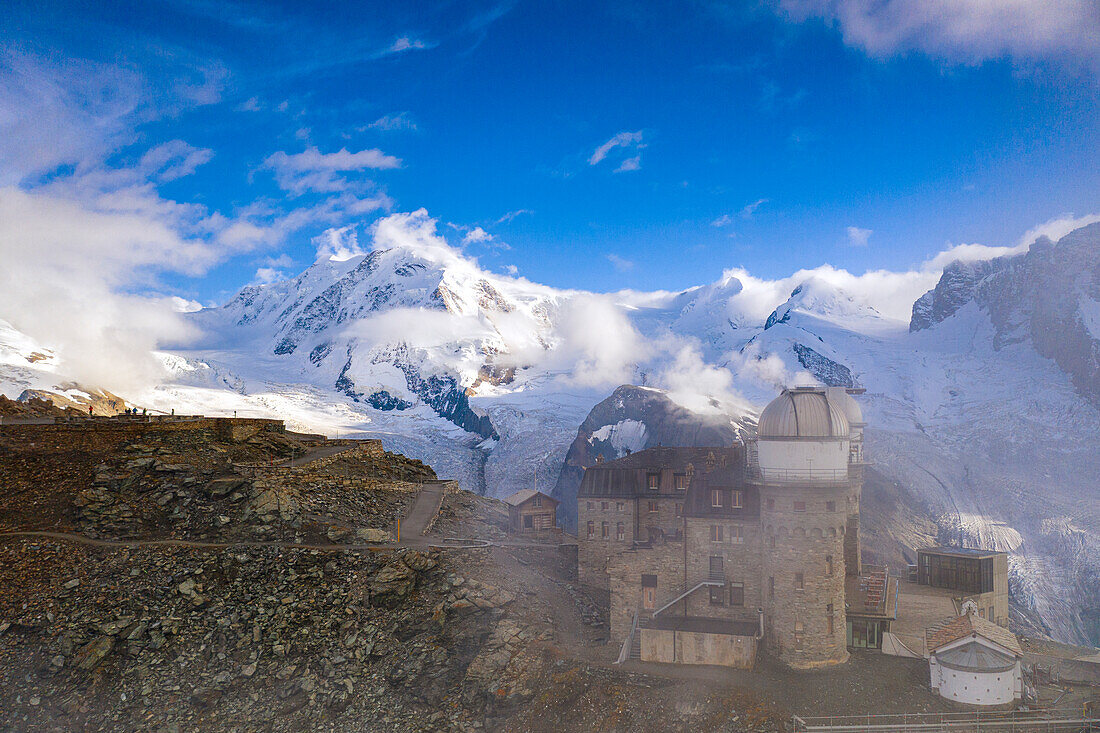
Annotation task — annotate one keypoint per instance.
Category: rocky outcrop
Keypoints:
(824, 369)
(1049, 295)
(955, 289)
(655, 420)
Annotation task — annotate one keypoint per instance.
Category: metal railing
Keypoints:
(1052, 720)
(800, 475)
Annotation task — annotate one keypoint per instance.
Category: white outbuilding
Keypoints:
(974, 661)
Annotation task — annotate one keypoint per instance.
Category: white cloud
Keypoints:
(511, 270)
(750, 209)
(266, 275)
(393, 122)
(338, 244)
(620, 140)
(630, 164)
(859, 237)
(477, 234)
(967, 31)
(1056, 228)
(722, 221)
(174, 159)
(509, 216)
(403, 44)
(620, 263)
(312, 170)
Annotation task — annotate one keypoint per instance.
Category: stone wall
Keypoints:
(105, 433)
(625, 572)
(740, 561)
(694, 647)
(797, 619)
(594, 553)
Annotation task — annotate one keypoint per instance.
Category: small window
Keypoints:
(603, 506)
(652, 507)
(591, 530)
(737, 594)
(799, 582)
(771, 504)
(829, 619)
(771, 541)
(716, 498)
(538, 502)
(603, 530)
(717, 596)
(715, 533)
(799, 631)
(800, 506)
(680, 481)
(528, 521)
(620, 532)
(679, 509)
(735, 499)
(649, 581)
(771, 587)
(591, 505)
(620, 506)
(653, 481)
(737, 534)
(830, 506)
(828, 565)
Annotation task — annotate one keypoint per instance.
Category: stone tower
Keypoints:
(802, 466)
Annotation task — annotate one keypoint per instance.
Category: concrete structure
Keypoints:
(980, 576)
(974, 661)
(531, 511)
(758, 535)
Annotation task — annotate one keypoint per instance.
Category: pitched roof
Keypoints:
(523, 495)
(969, 624)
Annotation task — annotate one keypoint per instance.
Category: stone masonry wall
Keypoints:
(625, 572)
(741, 564)
(593, 553)
(796, 624)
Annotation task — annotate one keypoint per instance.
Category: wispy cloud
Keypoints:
(475, 235)
(509, 216)
(174, 159)
(722, 221)
(858, 237)
(750, 209)
(312, 170)
(966, 31)
(403, 44)
(625, 139)
(620, 263)
(393, 122)
(630, 164)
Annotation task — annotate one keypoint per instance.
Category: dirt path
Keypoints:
(423, 511)
(316, 454)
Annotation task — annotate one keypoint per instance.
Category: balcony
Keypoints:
(803, 475)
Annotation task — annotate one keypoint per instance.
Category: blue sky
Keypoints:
(630, 145)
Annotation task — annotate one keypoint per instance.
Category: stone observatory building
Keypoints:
(711, 555)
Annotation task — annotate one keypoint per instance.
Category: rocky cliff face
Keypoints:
(1049, 295)
(630, 420)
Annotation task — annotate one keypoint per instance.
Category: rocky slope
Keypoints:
(630, 420)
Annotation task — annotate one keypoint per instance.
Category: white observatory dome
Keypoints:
(806, 412)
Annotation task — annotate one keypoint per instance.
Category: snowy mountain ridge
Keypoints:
(981, 404)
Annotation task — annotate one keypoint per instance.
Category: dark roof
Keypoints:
(958, 551)
(524, 495)
(705, 625)
(626, 476)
